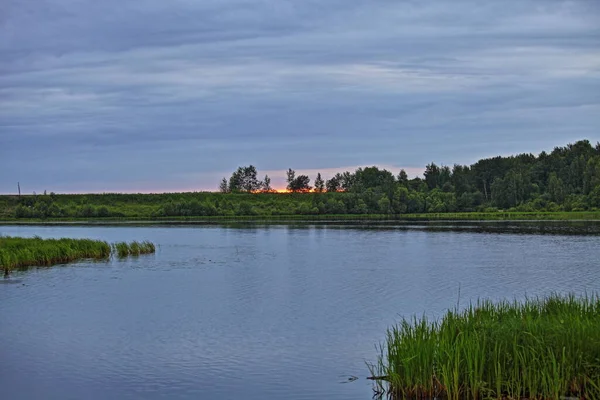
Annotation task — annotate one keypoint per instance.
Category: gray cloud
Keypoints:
(152, 95)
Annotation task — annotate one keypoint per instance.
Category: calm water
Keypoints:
(259, 313)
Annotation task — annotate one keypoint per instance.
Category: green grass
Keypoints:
(457, 216)
(205, 206)
(16, 252)
(540, 349)
(124, 249)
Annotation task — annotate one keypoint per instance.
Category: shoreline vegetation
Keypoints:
(561, 184)
(124, 249)
(543, 348)
(18, 253)
(326, 218)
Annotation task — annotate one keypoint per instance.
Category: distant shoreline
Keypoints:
(581, 216)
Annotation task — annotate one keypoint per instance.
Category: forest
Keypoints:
(564, 180)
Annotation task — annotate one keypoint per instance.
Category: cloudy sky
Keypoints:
(154, 95)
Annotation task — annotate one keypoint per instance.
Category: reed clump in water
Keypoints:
(124, 249)
(16, 252)
(538, 349)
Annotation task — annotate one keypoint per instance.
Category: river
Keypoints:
(260, 312)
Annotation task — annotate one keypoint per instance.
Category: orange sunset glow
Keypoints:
(285, 190)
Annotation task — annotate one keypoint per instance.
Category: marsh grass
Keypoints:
(124, 249)
(16, 252)
(538, 349)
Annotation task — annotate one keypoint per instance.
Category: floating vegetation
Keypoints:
(124, 249)
(540, 349)
(16, 252)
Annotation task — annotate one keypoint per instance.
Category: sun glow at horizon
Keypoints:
(285, 190)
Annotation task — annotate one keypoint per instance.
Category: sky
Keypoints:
(160, 96)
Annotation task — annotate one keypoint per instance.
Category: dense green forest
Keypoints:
(566, 179)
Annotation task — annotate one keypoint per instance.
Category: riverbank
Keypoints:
(542, 349)
(207, 206)
(440, 217)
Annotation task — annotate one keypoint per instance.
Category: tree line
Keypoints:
(568, 178)
(245, 179)
(565, 179)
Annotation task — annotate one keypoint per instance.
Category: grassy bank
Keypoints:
(458, 216)
(540, 349)
(263, 206)
(16, 252)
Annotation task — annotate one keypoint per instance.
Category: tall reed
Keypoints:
(16, 252)
(543, 348)
(124, 249)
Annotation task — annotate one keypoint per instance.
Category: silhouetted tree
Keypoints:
(372, 177)
(291, 175)
(333, 184)
(224, 186)
(403, 178)
(319, 184)
(266, 185)
(299, 184)
(432, 176)
(244, 179)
